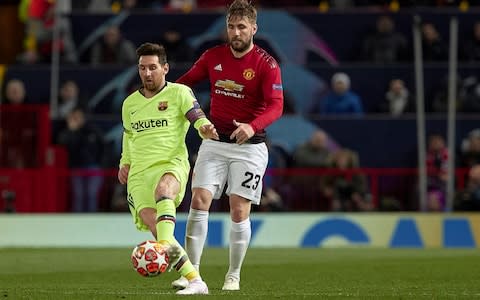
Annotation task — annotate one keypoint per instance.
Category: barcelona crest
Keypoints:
(163, 105)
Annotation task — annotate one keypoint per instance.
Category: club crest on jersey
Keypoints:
(248, 74)
(163, 105)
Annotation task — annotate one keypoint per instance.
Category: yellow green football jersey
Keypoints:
(155, 128)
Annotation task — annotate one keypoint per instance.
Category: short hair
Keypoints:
(242, 8)
(341, 77)
(153, 49)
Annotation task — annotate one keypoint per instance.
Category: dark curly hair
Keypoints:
(153, 49)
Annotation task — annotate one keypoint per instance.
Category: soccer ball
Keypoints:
(150, 259)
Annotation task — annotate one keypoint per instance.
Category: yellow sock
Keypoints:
(166, 213)
(165, 220)
(184, 265)
(192, 275)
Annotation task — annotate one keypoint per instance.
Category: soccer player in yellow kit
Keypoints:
(154, 162)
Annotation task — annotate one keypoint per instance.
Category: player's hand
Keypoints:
(243, 132)
(208, 131)
(123, 174)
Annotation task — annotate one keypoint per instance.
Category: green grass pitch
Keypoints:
(323, 273)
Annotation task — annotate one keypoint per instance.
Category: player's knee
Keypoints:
(238, 215)
(239, 210)
(168, 187)
(163, 194)
(200, 204)
(201, 199)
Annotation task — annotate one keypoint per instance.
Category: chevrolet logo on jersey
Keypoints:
(229, 88)
(229, 85)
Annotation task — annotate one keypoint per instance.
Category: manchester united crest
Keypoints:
(248, 74)
(163, 105)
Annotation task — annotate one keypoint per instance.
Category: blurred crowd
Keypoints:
(343, 189)
(188, 5)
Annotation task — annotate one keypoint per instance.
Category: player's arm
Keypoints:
(243, 132)
(196, 116)
(197, 73)
(124, 166)
(272, 91)
(124, 163)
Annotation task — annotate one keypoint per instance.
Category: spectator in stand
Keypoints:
(346, 192)
(385, 45)
(437, 157)
(113, 48)
(39, 36)
(469, 50)
(434, 48)
(18, 138)
(314, 152)
(85, 147)
(397, 99)
(15, 92)
(470, 94)
(469, 198)
(68, 98)
(470, 149)
(341, 100)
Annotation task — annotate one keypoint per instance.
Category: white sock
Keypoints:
(196, 234)
(240, 234)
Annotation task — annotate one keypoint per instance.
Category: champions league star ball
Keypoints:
(150, 259)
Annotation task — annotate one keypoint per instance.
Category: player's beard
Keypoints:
(150, 86)
(240, 46)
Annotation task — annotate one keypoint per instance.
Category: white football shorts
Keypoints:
(241, 167)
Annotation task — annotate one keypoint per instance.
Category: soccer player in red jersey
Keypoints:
(246, 96)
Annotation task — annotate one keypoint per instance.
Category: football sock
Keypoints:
(166, 212)
(165, 220)
(240, 234)
(184, 266)
(197, 227)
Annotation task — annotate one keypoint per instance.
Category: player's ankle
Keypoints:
(164, 242)
(192, 276)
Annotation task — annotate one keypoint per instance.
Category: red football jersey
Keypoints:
(247, 89)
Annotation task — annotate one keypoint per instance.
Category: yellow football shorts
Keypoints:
(141, 188)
